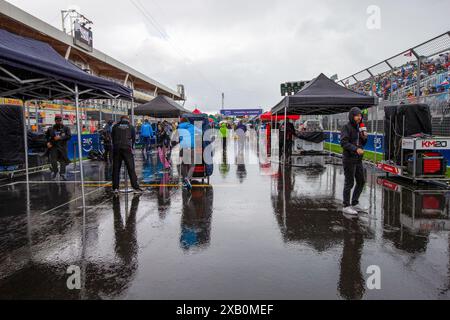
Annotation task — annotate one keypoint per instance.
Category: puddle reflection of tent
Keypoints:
(308, 219)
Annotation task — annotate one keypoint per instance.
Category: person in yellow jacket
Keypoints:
(85, 130)
(224, 135)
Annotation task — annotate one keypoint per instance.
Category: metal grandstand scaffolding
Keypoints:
(438, 102)
(415, 55)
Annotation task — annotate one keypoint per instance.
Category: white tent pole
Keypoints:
(36, 116)
(28, 204)
(179, 159)
(270, 133)
(85, 116)
(330, 121)
(278, 135)
(271, 127)
(376, 135)
(116, 109)
(285, 130)
(80, 147)
(25, 144)
(61, 110)
(28, 113)
(100, 116)
(132, 111)
(284, 200)
(27, 173)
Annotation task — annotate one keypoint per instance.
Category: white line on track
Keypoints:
(73, 200)
(56, 182)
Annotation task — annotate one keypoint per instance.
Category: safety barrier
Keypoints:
(89, 142)
(374, 144)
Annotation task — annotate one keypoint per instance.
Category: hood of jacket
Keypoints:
(351, 115)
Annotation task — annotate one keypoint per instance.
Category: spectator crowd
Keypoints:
(406, 76)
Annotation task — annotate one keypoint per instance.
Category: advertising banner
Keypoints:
(374, 143)
(89, 142)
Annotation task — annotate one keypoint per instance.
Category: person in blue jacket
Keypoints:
(146, 135)
(187, 133)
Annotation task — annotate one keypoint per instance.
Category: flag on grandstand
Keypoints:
(408, 54)
(334, 77)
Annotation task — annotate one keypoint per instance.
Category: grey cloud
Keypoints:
(247, 48)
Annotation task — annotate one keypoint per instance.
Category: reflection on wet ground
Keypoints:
(256, 232)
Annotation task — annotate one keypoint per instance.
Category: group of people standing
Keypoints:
(121, 138)
(163, 137)
(119, 142)
(118, 139)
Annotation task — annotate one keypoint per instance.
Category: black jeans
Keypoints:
(353, 171)
(289, 145)
(146, 142)
(107, 153)
(58, 155)
(126, 156)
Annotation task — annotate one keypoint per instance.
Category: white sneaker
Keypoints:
(350, 210)
(359, 208)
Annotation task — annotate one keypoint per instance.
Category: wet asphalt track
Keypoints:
(256, 232)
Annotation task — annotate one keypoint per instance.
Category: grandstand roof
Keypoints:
(20, 22)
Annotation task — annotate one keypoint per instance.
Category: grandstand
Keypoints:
(395, 80)
(401, 83)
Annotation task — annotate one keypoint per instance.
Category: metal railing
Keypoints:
(439, 107)
(439, 102)
(387, 68)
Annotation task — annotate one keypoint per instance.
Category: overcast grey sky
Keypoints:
(247, 48)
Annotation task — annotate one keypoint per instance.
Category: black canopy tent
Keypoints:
(160, 107)
(33, 70)
(322, 96)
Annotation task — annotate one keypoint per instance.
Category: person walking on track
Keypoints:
(146, 136)
(353, 140)
(124, 138)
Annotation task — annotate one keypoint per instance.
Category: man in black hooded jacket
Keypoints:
(57, 138)
(353, 140)
(123, 139)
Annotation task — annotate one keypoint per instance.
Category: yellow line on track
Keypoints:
(149, 185)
